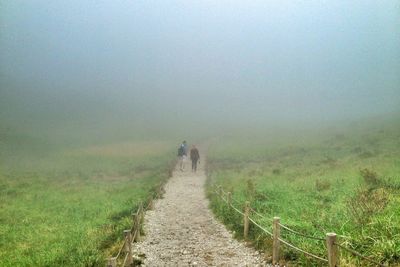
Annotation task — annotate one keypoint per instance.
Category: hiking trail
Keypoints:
(182, 231)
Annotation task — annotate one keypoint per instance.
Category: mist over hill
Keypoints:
(85, 70)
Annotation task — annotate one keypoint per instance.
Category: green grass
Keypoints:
(69, 206)
(317, 183)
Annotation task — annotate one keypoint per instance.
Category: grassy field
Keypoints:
(342, 179)
(68, 206)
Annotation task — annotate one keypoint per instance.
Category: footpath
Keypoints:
(182, 231)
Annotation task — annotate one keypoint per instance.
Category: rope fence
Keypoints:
(257, 213)
(331, 244)
(301, 234)
(359, 255)
(262, 228)
(302, 251)
(124, 256)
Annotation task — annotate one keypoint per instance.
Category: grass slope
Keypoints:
(344, 180)
(69, 206)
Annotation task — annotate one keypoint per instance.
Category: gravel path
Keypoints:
(181, 230)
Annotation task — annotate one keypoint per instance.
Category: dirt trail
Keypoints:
(181, 230)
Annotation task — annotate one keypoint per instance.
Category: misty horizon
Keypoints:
(209, 63)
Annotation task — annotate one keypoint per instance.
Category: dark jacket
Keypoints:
(194, 154)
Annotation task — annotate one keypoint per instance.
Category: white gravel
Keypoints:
(181, 230)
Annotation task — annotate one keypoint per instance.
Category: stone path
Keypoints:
(182, 231)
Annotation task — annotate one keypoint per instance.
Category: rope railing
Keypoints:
(223, 191)
(229, 204)
(238, 202)
(133, 234)
(237, 210)
(121, 249)
(359, 255)
(301, 234)
(301, 250)
(263, 229)
(332, 245)
(257, 213)
(287, 228)
(125, 262)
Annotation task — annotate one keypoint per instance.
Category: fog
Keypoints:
(207, 66)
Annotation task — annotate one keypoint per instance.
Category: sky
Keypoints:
(200, 62)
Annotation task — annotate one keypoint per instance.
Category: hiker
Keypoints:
(182, 153)
(195, 157)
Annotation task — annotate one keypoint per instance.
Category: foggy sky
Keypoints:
(165, 61)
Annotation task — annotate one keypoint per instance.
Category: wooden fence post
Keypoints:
(141, 213)
(151, 204)
(133, 219)
(332, 250)
(111, 262)
(128, 247)
(159, 192)
(246, 220)
(137, 239)
(136, 227)
(276, 242)
(229, 198)
(140, 221)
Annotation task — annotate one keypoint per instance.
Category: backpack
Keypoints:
(181, 151)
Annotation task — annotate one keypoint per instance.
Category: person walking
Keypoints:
(195, 157)
(182, 154)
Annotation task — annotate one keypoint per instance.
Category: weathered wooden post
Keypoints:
(229, 198)
(158, 191)
(151, 204)
(134, 223)
(140, 221)
(111, 262)
(141, 213)
(246, 220)
(137, 225)
(128, 247)
(332, 250)
(133, 219)
(276, 242)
